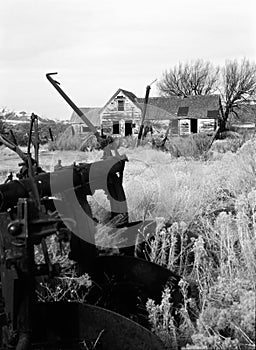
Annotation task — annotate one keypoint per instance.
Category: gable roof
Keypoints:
(128, 94)
(93, 114)
(200, 106)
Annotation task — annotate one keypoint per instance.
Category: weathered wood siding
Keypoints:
(183, 126)
(111, 115)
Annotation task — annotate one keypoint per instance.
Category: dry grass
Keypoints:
(214, 198)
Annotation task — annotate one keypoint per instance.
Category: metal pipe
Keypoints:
(144, 111)
(36, 141)
(51, 134)
(143, 114)
(13, 137)
(30, 132)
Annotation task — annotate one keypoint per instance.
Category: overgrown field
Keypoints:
(214, 199)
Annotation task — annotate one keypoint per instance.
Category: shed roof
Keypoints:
(200, 106)
(93, 114)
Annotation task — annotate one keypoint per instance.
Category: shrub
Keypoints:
(192, 146)
(227, 145)
(227, 320)
(89, 143)
(21, 131)
(66, 142)
(224, 268)
(127, 142)
(162, 321)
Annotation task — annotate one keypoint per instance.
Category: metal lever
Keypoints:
(72, 105)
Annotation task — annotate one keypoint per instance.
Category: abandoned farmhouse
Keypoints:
(121, 115)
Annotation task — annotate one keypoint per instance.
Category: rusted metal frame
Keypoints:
(143, 114)
(13, 147)
(34, 125)
(9, 193)
(166, 135)
(51, 135)
(30, 133)
(36, 141)
(13, 137)
(25, 270)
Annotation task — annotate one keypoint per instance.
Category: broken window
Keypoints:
(182, 111)
(120, 105)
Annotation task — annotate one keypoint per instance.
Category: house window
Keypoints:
(116, 128)
(85, 129)
(206, 125)
(184, 126)
(120, 105)
(182, 111)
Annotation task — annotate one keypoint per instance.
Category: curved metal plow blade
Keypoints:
(73, 326)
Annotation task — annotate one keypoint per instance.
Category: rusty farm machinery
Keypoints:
(39, 205)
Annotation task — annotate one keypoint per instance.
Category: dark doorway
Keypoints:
(128, 128)
(193, 126)
(116, 129)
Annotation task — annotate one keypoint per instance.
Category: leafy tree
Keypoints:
(191, 78)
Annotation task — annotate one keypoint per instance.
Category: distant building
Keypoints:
(121, 115)
(92, 114)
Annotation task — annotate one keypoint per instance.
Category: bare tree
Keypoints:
(236, 82)
(238, 87)
(192, 78)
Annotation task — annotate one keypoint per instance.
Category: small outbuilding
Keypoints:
(92, 114)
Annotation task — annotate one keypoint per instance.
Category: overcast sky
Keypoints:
(100, 46)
